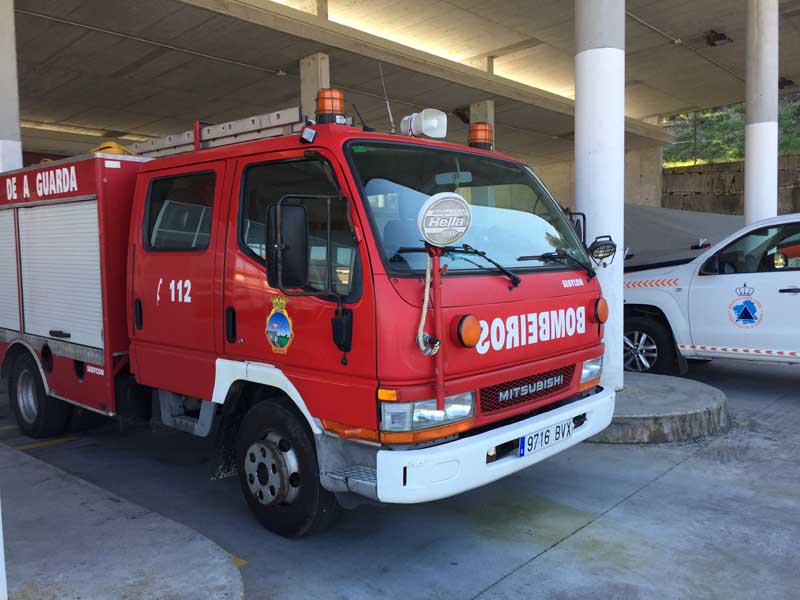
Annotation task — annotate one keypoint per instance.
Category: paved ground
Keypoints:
(67, 539)
(717, 519)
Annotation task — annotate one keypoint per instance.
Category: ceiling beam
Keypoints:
(313, 28)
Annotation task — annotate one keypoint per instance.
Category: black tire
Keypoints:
(38, 415)
(640, 335)
(272, 435)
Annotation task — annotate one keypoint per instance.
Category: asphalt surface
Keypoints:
(713, 519)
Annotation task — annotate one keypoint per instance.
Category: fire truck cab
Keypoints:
(351, 315)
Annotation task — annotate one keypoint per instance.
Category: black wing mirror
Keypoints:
(287, 246)
(602, 248)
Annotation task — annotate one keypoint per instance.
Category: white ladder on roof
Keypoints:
(274, 124)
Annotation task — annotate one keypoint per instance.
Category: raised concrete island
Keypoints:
(657, 408)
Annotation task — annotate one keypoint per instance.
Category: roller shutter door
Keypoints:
(9, 299)
(60, 250)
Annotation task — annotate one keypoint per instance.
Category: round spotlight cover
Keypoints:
(444, 219)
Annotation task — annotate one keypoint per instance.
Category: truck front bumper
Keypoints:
(410, 476)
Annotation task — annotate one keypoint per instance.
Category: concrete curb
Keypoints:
(656, 408)
(67, 539)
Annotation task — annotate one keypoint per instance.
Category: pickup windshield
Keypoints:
(513, 214)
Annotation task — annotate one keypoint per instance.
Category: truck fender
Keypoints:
(15, 346)
(228, 372)
(667, 305)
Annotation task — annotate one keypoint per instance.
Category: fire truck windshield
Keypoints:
(513, 214)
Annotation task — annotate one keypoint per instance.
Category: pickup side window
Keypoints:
(765, 250)
(264, 184)
(178, 213)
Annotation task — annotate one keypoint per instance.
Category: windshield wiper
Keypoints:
(562, 257)
(465, 249)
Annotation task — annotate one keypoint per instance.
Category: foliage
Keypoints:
(717, 135)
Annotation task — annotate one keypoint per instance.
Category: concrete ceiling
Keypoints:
(533, 43)
(90, 69)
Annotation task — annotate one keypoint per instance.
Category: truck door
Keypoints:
(294, 333)
(175, 313)
(747, 296)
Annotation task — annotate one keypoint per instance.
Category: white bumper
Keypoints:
(455, 467)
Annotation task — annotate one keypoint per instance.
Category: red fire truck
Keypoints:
(351, 315)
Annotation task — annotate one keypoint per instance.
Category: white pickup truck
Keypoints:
(738, 299)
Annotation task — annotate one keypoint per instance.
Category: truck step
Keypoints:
(173, 414)
(358, 479)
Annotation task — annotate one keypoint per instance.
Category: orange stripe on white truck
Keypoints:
(653, 283)
(739, 350)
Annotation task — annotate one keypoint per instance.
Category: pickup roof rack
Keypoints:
(204, 135)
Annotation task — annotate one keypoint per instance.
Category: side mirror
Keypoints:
(602, 248)
(779, 261)
(287, 246)
(711, 266)
(578, 221)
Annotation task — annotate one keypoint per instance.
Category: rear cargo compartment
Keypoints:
(63, 239)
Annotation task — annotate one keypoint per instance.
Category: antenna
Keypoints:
(386, 96)
(364, 126)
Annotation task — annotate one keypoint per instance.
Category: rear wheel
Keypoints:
(278, 472)
(649, 347)
(38, 415)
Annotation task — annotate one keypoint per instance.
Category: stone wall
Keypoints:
(643, 178)
(720, 188)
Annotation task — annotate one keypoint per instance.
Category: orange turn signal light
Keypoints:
(426, 435)
(601, 310)
(481, 136)
(349, 432)
(468, 330)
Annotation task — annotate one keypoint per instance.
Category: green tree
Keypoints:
(717, 134)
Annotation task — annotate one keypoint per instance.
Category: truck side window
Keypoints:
(265, 184)
(178, 213)
(754, 252)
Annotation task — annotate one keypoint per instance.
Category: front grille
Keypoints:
(525, 390)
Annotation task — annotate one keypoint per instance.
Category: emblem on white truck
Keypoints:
(745, 311)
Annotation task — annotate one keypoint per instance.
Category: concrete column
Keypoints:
(10, 140)
(600, 150)
(315, 73)
(322, 8)
(482, 112)
(761, 130)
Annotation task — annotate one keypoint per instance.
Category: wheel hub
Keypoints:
(641, 351)
(26, 397)
(272, 470)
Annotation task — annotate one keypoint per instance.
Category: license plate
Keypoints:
(544, 438)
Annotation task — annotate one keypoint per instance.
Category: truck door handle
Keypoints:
(791, 290)
(138, 315)
(230, 325)
(57, 333)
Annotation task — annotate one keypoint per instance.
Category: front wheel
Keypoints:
(278, 472)
(649, 347)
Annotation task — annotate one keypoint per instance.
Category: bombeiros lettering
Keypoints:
(527, 329)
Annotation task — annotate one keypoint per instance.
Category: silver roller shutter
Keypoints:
(9, 299)
(60, 250)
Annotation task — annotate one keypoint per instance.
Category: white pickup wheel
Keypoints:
(278, 472)
(648, 347)
(38, 415)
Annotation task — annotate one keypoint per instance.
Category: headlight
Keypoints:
(413, 416)
(591, 370)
